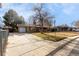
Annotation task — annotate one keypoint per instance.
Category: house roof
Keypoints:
(6, 27)
(21, 25)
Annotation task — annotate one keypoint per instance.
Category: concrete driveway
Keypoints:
(23, 44)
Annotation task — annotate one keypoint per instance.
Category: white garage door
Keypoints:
(22, 29)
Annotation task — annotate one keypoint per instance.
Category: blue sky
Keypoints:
(64, 13)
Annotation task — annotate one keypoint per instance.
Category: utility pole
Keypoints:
(55, 27)
(72, 25)
(29, 26)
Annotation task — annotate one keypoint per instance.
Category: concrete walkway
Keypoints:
(71, 49)
(22, 44)
(75, 50)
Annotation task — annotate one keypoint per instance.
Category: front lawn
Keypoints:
(55, 36)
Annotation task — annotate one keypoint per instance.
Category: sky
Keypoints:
(65, 13)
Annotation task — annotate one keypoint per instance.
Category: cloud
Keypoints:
(68, 9)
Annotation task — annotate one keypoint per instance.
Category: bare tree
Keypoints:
(41, 17)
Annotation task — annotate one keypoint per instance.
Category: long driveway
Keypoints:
(23, 44)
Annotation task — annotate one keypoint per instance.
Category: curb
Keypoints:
(61, 46)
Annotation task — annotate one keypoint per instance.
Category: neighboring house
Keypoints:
(75, 29)
(7, 28)
(62, 28)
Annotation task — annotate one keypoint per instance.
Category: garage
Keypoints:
(22, 29)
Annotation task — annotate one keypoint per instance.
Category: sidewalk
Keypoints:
(30, 45)
(69, 49)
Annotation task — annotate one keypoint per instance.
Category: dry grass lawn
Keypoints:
(55, 36)
(64, 34)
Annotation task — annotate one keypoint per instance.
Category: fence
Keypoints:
(3, 41)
